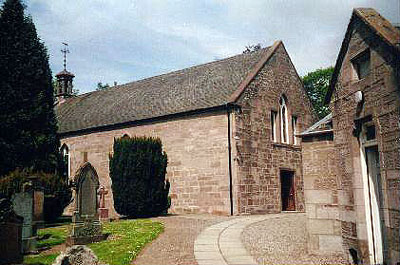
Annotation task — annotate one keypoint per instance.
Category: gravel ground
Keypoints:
(282, 240)
(176, 244)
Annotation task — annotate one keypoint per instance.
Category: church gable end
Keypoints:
(365, 108)
(275, 98)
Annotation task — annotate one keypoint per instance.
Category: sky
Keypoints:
(128, 40)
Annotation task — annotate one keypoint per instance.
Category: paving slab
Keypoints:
(221, 243)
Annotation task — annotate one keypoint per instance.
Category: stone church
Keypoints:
(227, 126)
(241, 138)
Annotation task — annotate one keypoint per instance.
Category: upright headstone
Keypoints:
(10, 234)
(103, 209)
(85, 227)
(29, 204)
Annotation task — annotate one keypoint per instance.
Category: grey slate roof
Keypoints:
(322, 126)
(199, 87)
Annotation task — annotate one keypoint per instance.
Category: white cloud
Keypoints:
(125, 40)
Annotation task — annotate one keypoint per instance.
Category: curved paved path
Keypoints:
(221, 244)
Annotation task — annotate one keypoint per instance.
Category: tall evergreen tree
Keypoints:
(27, 121)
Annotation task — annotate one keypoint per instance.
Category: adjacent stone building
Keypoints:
(227, 126)
(351, 159)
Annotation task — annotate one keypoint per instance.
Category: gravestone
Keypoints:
(10, 234)
(29, 204)
(103, 209)
(85, 227)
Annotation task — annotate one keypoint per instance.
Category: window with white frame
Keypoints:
(294, 126)
(65, 154)
(284, 120)
(274, 114)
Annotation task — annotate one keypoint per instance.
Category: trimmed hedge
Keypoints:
(137, 170)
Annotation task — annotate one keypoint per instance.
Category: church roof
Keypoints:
(65, 72)
(381, 27)
(200, 87)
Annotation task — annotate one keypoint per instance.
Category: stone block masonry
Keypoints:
(197, 149)
(380, 112)
(258, 159)
(321, 195)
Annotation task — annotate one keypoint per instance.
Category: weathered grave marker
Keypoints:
(29, 204)
(10, 234)
(85, 227)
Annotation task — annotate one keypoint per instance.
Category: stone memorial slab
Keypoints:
(103, 209)
(86, 226)
(10, 234)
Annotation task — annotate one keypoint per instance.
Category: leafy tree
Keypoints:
(316, 84)
(137, 170)
(252, 48)
(100, 86)
(28, 127)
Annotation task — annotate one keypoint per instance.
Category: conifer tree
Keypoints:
(27, 121)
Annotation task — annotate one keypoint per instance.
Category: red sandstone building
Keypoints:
(228, 128)
(238, 138)
(351, 159)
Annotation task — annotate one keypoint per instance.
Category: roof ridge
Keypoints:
(176, 71)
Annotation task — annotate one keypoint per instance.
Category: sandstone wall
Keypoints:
(197, 149)
(382, 101)
(257, 160)
(321, 194)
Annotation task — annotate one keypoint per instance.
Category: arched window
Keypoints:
(284, 120)
(125, 136)
(65, 154)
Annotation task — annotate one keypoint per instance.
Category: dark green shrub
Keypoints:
(57, 194)
(137, 170)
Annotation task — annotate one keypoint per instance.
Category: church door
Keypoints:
(288, 191)
(374, 198)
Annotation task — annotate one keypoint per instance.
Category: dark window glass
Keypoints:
(361, 64)
(273, 125)
(371, 132)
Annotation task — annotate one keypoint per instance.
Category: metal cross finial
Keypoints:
(65, 51)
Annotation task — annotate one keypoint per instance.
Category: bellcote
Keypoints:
(64, 84)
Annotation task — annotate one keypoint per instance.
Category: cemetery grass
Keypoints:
(126, 239)
(52, 236)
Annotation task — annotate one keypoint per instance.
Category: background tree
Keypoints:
(252, 48)
(28, 127)
(137, 170)
(100, 86)
(316, 84)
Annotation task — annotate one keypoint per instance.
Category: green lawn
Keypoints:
(52, 236)
(128, 237)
